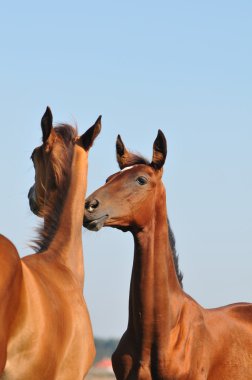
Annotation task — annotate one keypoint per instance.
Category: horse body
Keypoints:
(51, 334)
(169, 335)
(163, 322)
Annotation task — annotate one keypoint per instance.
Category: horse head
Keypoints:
(127, 199)
(52, 161)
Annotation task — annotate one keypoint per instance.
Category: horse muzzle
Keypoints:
(94, 224)
(32, 201)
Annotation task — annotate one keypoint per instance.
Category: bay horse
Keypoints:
(169, 335)
(46, 333)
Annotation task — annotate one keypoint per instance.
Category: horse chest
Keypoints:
(51, 339)
(160, 364)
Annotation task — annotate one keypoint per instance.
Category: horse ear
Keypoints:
(90, 135)
(122, 155)
(159, 151)
(47, 124)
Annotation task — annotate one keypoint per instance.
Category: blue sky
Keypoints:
(183, 67)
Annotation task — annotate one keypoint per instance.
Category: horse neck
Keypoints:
(155, 291)
(66, 245)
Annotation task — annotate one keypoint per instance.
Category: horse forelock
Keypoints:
(135, 159)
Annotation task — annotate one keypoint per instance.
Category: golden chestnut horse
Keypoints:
(46, 332)
(169, 335)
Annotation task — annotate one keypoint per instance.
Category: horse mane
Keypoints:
(174, 254)
(135, 159)
(62, 169)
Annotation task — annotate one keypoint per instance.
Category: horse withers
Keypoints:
(169, 335)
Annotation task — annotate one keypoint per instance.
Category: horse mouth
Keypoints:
(95, 224)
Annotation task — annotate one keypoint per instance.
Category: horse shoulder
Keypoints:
(185, 356)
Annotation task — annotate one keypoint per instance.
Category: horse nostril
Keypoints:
(91, 205)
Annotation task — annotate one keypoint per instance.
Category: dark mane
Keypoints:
(67, 132)
(62, 169)
(174, 254)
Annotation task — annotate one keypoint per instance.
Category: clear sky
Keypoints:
(181, 66)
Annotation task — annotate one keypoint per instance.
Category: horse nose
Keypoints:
(30, 192)
(91, 205)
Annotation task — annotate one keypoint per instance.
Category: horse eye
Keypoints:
(141, 181)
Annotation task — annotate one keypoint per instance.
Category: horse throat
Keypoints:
(155, 289)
